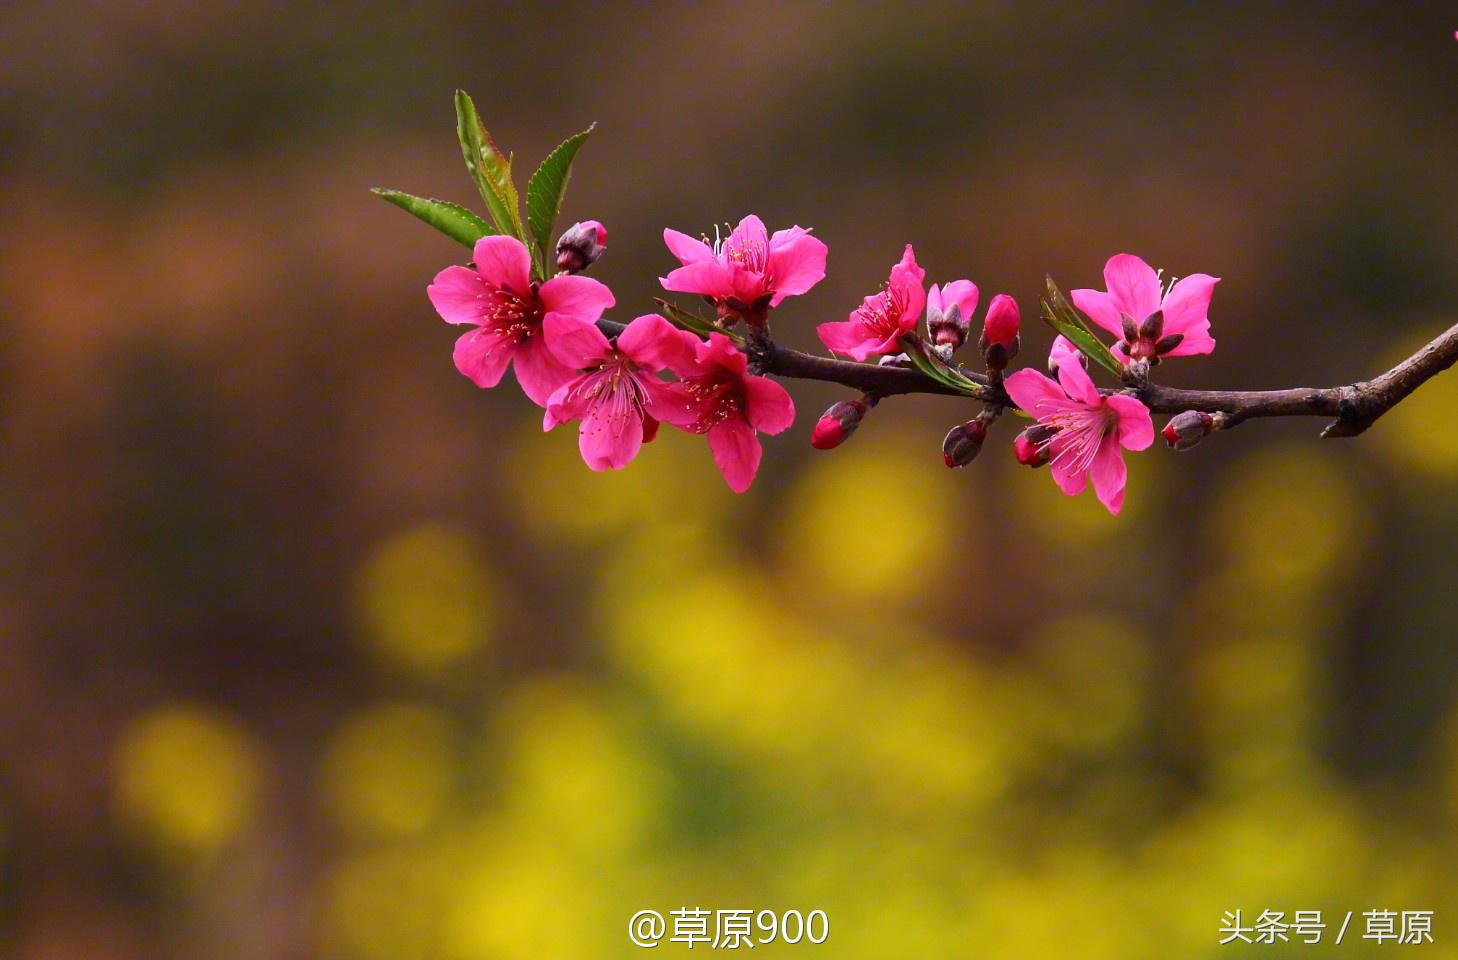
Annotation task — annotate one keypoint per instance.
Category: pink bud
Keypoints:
(1002, 320)
(962, 443)
(999, 340)
(580, 246)
(1031, 446)
(837, 423)
(1187, 429)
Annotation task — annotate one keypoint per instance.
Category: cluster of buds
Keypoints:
(999, 340)
(1189, 428)
(580, 246)
(839, 422)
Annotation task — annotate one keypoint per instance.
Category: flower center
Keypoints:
(614, 383)
(714, 398)
(881, 314)
(1078, 433)
(748, 253)
(510, 315)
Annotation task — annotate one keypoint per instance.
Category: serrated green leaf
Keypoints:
(489, 168)
(1059, 314)
(546, 188)
(451, 219)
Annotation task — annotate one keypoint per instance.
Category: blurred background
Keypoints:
(309, 648)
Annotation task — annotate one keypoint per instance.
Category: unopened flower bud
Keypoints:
(1031, 446)
(837, 423)
(581, 245)
(947, 328)
(999, 340)
(1187, 429)
(963, 443)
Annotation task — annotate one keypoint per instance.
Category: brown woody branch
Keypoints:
(1353, 407)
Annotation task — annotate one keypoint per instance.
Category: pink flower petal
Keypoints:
(458, 295)
(669, 403)
(719, 351)
(610, 436)
(686, 248)
(574, 342)
(736, 451)
(538, 371)
(750, 233)
(796, 263)
(748, 285)
(1033, 392)
(1136, 427)
(581, 297)
(1133, 284)
(1063, 351)
(708, 278)
(1109, 475)
(1186, 311)
(1065, 468)
(654, 344)
(481, 355)
(963, 293)
(769, 407)
(842, 336)
(566, 403)
(1100, 309)
(1078, 384)
(907, 285)
(504, 262)
(1197, 342)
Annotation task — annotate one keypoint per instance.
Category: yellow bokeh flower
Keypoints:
(426, 599)
(187, 779)
(389, 770)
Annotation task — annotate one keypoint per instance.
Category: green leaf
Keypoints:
(546, 188)
(1059, 314)
(692, 322)
(934, 368)
(451, 219)
(489, 168)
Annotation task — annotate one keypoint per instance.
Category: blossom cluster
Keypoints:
(619, 388)
(613, 387)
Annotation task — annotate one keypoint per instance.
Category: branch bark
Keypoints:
(1353, 407)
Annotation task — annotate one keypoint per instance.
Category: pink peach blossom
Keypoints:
(747, 266)
(1091, 430)
(876, 326)
(731, 406)
(1128, 310)
(508, 311)
(615, 393)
